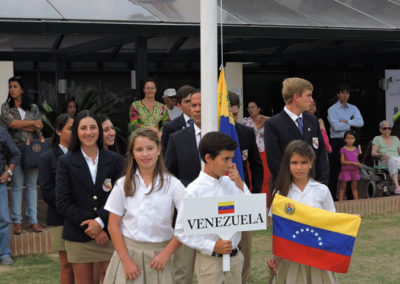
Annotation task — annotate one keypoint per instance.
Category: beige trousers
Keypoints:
(245, 248)
(209, 269)
(184, 258)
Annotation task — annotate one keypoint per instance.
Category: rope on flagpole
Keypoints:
(221, 34)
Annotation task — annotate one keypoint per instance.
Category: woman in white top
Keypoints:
(257, 121)
(295, 181)
(22, 120)
(141, 208)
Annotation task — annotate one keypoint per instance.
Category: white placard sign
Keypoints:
(224, 216)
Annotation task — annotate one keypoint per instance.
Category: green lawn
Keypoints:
(376, 257)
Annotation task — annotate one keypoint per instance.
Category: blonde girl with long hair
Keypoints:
(141, 208)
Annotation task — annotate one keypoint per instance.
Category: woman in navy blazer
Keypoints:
(85, 176)
(47, 182)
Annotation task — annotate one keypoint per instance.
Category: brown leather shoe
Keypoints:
(36, 228)
(17, 228)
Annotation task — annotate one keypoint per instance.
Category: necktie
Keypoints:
(300, 125)
(190, 121)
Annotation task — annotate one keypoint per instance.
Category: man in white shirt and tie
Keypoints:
(293, 123)
(182, 159)
(184, 120)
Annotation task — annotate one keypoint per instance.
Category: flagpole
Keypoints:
(209, 65)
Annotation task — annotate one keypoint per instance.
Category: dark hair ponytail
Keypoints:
(61, 121)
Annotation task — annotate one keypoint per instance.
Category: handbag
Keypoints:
(32, 149)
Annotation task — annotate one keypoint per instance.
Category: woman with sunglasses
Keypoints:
(387, 147)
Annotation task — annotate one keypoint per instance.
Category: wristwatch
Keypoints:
(10, 173)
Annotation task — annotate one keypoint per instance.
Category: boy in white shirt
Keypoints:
(216, 150)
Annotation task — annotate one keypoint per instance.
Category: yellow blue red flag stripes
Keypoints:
(313, 236)
(226, 122)
(226, 207)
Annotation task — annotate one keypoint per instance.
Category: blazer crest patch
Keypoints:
(245, 155)
(107, 185)
(315, 142)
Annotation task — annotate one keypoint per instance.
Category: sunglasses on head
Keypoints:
(386, 128)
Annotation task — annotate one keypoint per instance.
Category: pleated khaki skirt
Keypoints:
(57, 242)
(142, 253)
(88, 252)
(295, 273)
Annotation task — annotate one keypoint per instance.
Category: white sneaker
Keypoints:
(397, 191)
(7, 260)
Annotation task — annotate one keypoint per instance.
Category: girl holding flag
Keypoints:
(295, 181)
(141, 207)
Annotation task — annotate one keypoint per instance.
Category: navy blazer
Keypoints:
(249, 152)
(182, 158)
(47, 182)
(77, 198)
(280, 130)
(171, 127)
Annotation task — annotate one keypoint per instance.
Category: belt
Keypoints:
(233, 253)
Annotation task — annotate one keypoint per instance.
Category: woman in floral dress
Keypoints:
(148, 112)
(256, 121)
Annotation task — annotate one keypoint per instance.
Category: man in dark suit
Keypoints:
(293, 123)
(182, 159)
(184, 120)
(249, 150)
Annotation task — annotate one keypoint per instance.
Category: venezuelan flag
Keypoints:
(226, 207)
(313, 236)
(226, 122)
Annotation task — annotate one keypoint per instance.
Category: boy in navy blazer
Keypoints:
(293, 123)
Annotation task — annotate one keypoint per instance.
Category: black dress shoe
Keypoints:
(386, 193)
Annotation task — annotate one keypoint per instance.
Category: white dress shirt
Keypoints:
(207, 186)
(293, 116)
(315, 194)
(197, 134)
(63, 148)
(186, 117)
(93, 173)
(92, 166)
(147, 217)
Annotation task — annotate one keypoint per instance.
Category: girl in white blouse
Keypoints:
(141, 207)
(295, 181)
